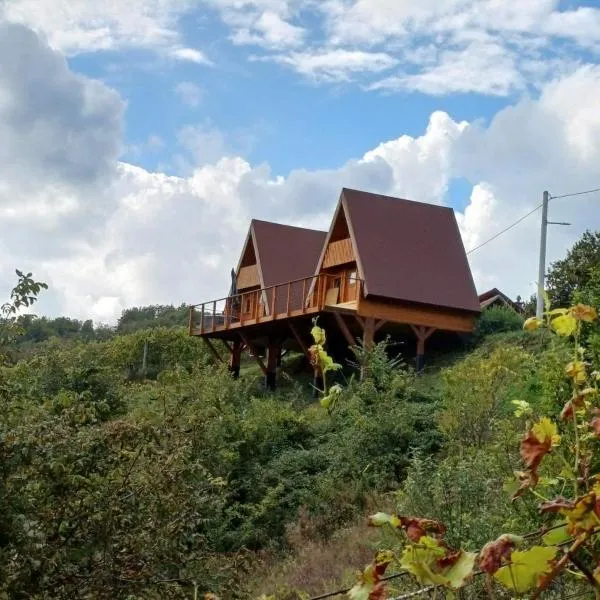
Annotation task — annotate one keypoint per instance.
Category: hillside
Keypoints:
(176, 480)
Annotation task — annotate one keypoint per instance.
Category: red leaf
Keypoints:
(494, 554)
(533, 451)
(557, 505)
(417, 528)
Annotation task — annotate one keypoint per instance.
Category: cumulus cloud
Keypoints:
(107, 235)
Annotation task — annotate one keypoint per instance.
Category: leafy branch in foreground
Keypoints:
(569, 546)
(23, 295)
(322, 363)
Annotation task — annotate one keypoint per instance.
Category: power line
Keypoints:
(505, 229)
(575, 194)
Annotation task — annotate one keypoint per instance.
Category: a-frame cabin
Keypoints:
(387, 266)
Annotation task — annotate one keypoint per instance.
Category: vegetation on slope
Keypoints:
(115, 483)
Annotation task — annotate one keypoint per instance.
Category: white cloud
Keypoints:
(334, 65)
(269, 30)
(108, 235)
(189, 55)
(481, 68)
(76, 26)
(189, 93)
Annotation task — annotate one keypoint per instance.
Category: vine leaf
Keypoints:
(564, 325)
(538, 441)
(583, 312)
(527, 568)
(494, 554)
(576, 371)
(556, 536)
(414, 527)
(369, 585)
(434, 564)
(582, 514)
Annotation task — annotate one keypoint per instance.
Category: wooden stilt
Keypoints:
(368, 342)
(235, 359)
(213, 350)
(422, 333)
(272, 357)
(257, 358)
(344, 329)
(300, 341)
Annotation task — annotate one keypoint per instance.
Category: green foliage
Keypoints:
(146, 317)
(497, 319)
(477, 394)
(572, 274)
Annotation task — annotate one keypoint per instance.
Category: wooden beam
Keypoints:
(380, 324)
(300, 341)
(257, 358)
(344, 329)
(360, 321)
(229, 348)
(213, 350)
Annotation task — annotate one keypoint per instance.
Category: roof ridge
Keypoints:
(396, 198)
(286, 225)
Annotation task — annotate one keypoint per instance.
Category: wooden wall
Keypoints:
(248, 277)
(338, 253)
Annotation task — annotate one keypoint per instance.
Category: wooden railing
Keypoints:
(293, 298)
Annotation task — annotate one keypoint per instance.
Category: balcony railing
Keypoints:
(294, 298)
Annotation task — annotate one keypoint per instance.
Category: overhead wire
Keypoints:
(575, 194)
(592, 191)
(505, 229)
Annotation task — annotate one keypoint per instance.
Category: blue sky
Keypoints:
(198, 115)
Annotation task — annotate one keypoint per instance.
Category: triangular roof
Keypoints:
(493, 295)
(283, 252)
(407, 250)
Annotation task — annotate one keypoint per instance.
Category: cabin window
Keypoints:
(352, 278)
(337, 282)
(247, 305)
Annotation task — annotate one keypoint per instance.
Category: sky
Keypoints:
(138, 138)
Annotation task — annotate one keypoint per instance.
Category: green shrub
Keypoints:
(497, 319)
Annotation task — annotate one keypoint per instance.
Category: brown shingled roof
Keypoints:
(409, 250)
(286, 253)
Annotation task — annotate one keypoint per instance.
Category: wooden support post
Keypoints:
(252, 350)
(272, 356)
(369, 332)
(235, 360)
(300, 341)
(422, 333)
(191, 321)
(344, 329)
(212, 349)
(202, 320)
(368, 341)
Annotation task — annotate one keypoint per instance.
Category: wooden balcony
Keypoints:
(311, 295)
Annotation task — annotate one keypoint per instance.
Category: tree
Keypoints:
(24, 294)
(572, 274)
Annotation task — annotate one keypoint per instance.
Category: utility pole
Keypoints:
(542, 265)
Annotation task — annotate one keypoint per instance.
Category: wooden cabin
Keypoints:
(387, 266)
(495, 297)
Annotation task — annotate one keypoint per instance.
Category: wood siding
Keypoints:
(338, 253)
(248, 277)
(429, 316)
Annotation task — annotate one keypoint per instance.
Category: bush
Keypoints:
(497, 319)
